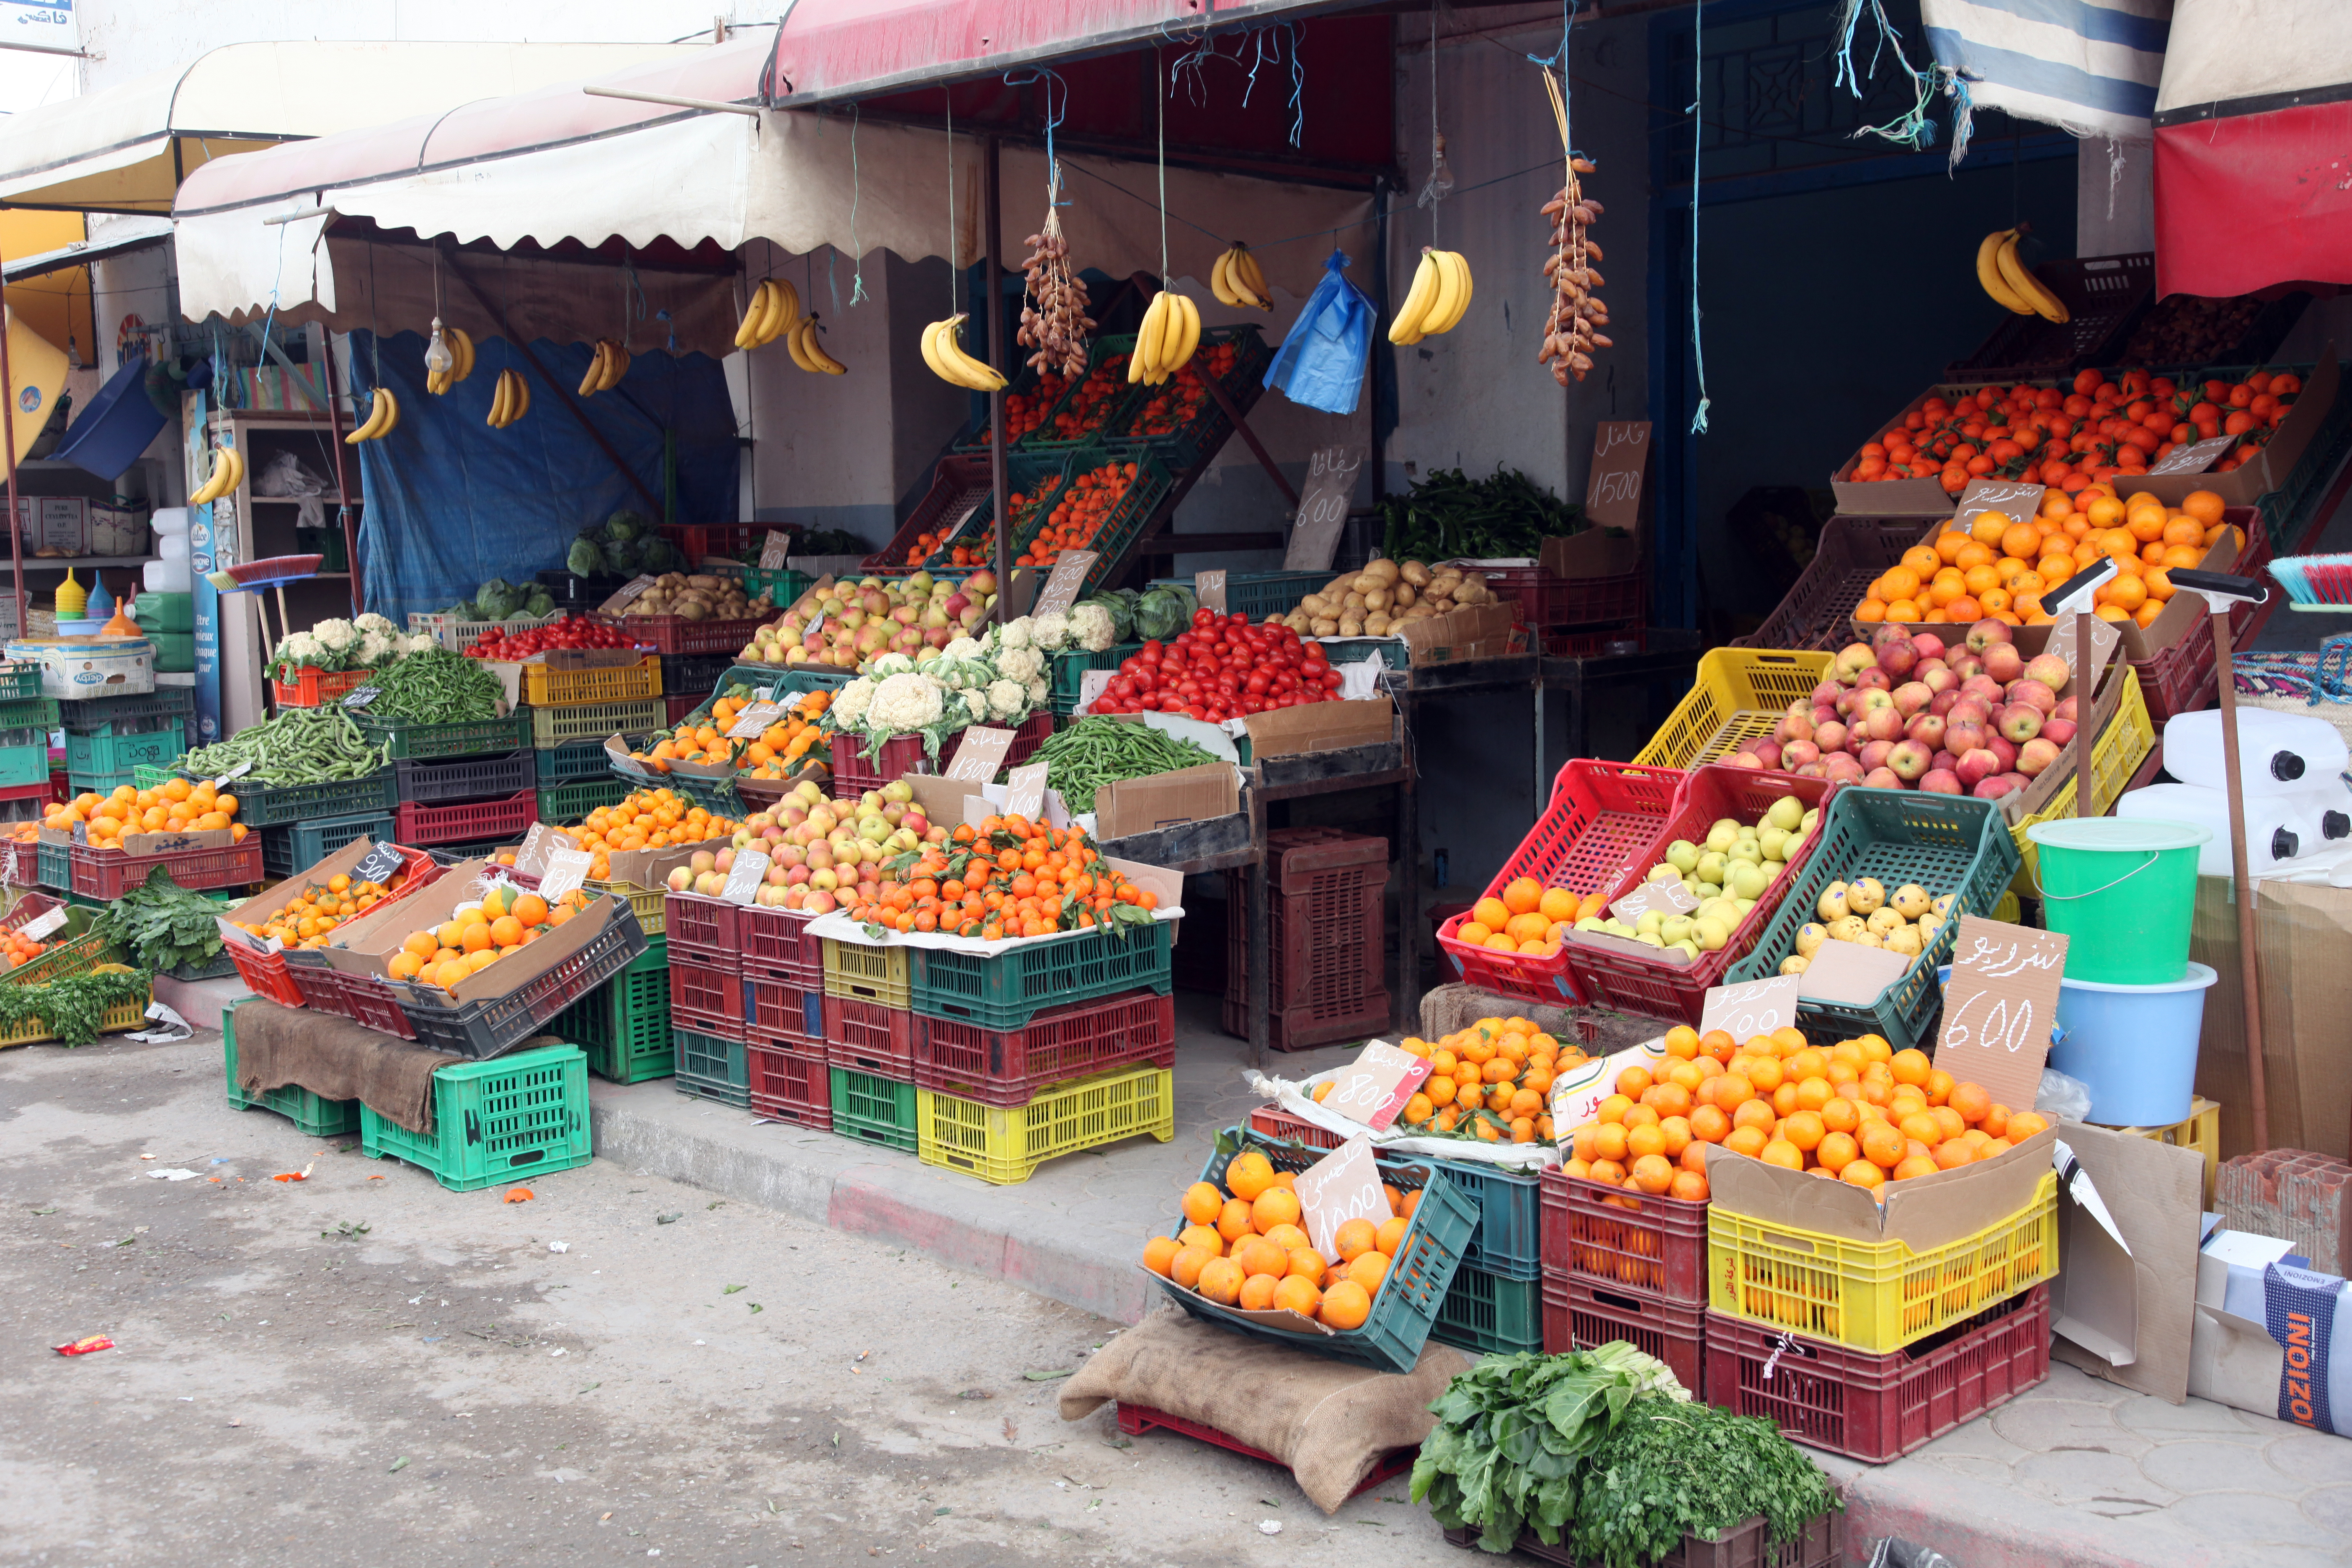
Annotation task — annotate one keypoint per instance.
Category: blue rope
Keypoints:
(1053, 117)
(858, 280)
(1912, 129)
(1698, 133)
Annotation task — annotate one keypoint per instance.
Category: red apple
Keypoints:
(1767, 754)
(1874, 679)
(1911, 697)
(1928, 729)
(1984, 687)
(1975, 766)
(1897, 656)
(1852, 660)
(2004, 749)
(2035, 694)
(1830, 737)
(1963, 736)
(1985, 632)
(1743, 760)
(1882, 778)
(1798, 753)
(1797, 724)
(1944, 759)
(2066, 709)
(2057, 731)
(2003, 662)
(1998, 786)
(2020, 723)
(2035, 755)
(1826, 693)
(1874, 755)
(1841, 769)
(1946, 700)
(1965, 665)
(1929, 644)
(2050, 670)
(1910, 761)
(1941, 780)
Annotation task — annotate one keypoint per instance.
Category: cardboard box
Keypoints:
(2121, 1311)
(2301, 933)
(2233, 1359)
(1476, 631)
(368, 942)
(1167, 800)
(1321, 727)
(146, 843)
(1595, 552)
(1922, 1213)
(65, 524)
(258, 909)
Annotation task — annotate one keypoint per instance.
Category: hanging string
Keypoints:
(1914, 128)
(1440, 184)
(951, 206)
(1052, 78)
(1698, 131)
(1159, 66)
(831, 282)
(857, 279)
(1298, 85)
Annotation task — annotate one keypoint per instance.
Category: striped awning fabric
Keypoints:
(2090, 67)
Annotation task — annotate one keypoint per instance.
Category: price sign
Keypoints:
(1753, 1007)
(1620, 454)
(378, 864)
(1209, 588)
(1375, 1087)
(233, 936)
(775, 550)
(2018, 502)
(237, 771)
(1061, 589)
(1997, 1007)
(744, 877)
(2193, 458)
(754, 721)
(981, 755)
(1323, 507)
(1025, 791)
(537, 844)
(566, 870)
(627, 594)
(1342, 1186)
(360, 697)
(1666, 895)
(42, 924)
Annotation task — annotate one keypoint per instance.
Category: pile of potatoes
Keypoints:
(1373, 603)
(701, 597)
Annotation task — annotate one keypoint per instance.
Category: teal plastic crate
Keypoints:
(569, 764)
(511, 1119)
(56, 866)
(117, 751)
(482, 737)
(1258, 594)
(41, 713)
(710, 1067)
(1005, 990)
(1067, 671)
(297, 845)
(267, 805)
(624, 1023)
(874, 1109)
(1486, 1314)
(567, 803)
(24, 763)
(316, 1117)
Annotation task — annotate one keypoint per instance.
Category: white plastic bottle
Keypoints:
(2279, 829)
(2278, 754)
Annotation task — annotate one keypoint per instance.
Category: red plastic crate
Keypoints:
(1277, 1123)
(266, 974)
(361, 998)
(1304, 1029)
(1547, 602)
(1305, 862)
(1034, 733)
(312, 688)
(1618, 1240)
(693, 921)
(696, 539)
(778, 939)
(107, 874)
(1136, 1419)
(319, 987)
(465, 821)
(1879, 1407)
(1655, 987)
(727, 959)
(1602, 818)
(706, 998)
(1008, 1067)
(853, 775)
(676, 635)
(677, 706)
(790, 1085)
(1325, 933)
(775, 1007)
(867, 1037)
(1579, 1315)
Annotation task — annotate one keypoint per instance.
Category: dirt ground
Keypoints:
(355, 1370)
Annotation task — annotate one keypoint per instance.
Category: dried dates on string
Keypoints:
(1571, 332)
(1054, 320)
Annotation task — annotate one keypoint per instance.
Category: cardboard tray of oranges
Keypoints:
(1383, 1326)
(268, 933)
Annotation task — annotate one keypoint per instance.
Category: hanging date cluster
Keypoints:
(1572, 331)
(1054, 320)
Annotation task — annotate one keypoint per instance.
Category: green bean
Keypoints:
(301, 745)
(434, 688)
(1098, 750)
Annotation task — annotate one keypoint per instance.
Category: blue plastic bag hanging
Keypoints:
(1321, 362)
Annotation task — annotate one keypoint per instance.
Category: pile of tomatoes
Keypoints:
(1173, 407)
(1223, 668)
(1079, 516)
(571, 631)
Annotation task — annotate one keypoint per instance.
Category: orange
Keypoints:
(1781, 1153)
(1491, 912)
(1391, 1235)
(1690, 1186)
(507, 932)
(1257, 1292)
(1882, 1145)
(1220, 1281)
(1837, 1150)
(1970, 1101)
(1523, 895)
(1346, 1305)
(1368, 1269)
(1987, 527)
(1804, 1129)
(1288, 1237)
(2203, 505)
(1249, 1175)
(1307, 1264)
(1610, 1140)
(1202, 1203)
(1839, 1115)
(1256, 1255)
(2024, 1125)
(1276, 1205)
(1914, 1165)
(1952, 1155)
(1354, 1238)
(1160, 1252)
(1293, 1294)
(1185, 1267)
(1910, 1066)
(1708, 1124)
(530, 910)
(1863, 1173)
(1748, 1141)
(1652, 1174)
(1236, 1220)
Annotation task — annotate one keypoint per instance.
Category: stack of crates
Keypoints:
(707, 1035)
(777, 973)
(623, 1024)
(1327, 931)
(1620, 1266)
(570, 714)
(107, 738)
(459, 784)
(1495, 1304)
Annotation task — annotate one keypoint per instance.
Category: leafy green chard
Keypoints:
(72, 1006)
(161, 925)
(1669, 1470)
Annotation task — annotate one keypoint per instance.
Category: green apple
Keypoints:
(1689, 948)
(1652, 938)
(1673, 928)
(1710, 866)
(1785, 813)
(1747, 880)
(1683, 855)
(1774, 842)
(1591, 923)
(1747, 851)
(1709, 933)
(1650, 920)
(1665, 871)
(1706, 891)
(1722, 835)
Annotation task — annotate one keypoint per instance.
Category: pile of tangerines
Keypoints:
(311, 917)
(645, 819)
(176, 806)
(1242, 1246)
(1528, 917)
(1992, 565)
(1491, 1081)
(1858, 1111)
(507, 921)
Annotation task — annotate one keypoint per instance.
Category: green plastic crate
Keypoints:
(265, 806)
(56, 866)
(782, 585)
(711, 1068)
(482, 737)
(1258, 594)
(597, 722)
(624, 1023)
(1124, 525)
(117, 751)
(316, 1117)
(560, 804)
(298, 844)
(1486, 1314)
(517, 1116)
(1005, 990)
(20, 681)
(26, 764)
(874, 1109)
(570, 762)
(40, 714)
(1067, 670)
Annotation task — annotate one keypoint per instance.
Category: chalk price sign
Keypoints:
(1997, 1007)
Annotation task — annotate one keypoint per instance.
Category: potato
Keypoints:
(1299, 621)
(1415, 572)
(1316, 606)
(1377, 599)
(1402, 596)
(1350, 627)
(1338, 588)
(1353, 605)
(1381, 567)
(700, 580)
(1326, 627)
(1420, 613)
(1366, 581)
(1376, 624)
(1474, 591)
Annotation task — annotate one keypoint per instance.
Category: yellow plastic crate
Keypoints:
(1739, 695)
(1875, 1296)
(648, 902)
(2117, 753)
(2202, 1131)
(856, 973)
(115, 1020)
(1004, 1144)
(545, 687)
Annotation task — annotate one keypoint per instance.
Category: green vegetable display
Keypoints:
(1120, 604)
(161, 925)
(1448, 516)
(1672, 1469)
(74, 1007)
(1097, 751)
(435, 688)
(1162, 612)
(301, 745)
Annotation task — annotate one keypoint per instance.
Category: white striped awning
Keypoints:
(2089, 67)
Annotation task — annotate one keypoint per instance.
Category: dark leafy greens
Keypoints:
(73, 1006)
(161, 925)
(1670, 1470)
(1448, 515)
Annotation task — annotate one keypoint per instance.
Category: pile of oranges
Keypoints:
(176, 806)
(1090, 502)
(1242, 1246)
(16, 948)
(773, 753)
(471, 941)
(1996, 566)
(1024, 411)
(312, 915)
(1528, 917)
(1173, 407)
(976, 547)
(1491, 1081)
(1858, 1111)
(644, 819)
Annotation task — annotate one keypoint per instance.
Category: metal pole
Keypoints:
(2249, 974)
(335, 449)
(8, 439)
(992, 222)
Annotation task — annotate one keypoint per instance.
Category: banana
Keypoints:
(1186, 316)
(1407, 326)
(1989, 275)
(1236, 281)
(805, 346)
(1252, 278)
(621, 370)
(434, 383)
(755, 309)
(1455, 262)
(1141, 362)
(2027, 287)
(392, 423)
(800, 355)
(979, 377)
(522, 397)
(593, 381)
(214, 485)
(932, 354)
(379, 410)
(1217, 284)
(1449, 299)
(464, 345)
(499, 399)
(783, 310)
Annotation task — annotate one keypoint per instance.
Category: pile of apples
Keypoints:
(819, 851)
(1863, 912)
(848, 624)
(1974, 716)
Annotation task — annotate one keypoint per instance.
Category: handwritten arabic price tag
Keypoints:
(743, 878)
(361, 696)
(2105, 637)
(1753, 1007)
(42, 925)
(2195, 457)
(1342, 1186)
(378, 864)
(1665, 896)
(566, 870)
(1061, 590)
(1375, 1087)
(980, 754)
(1209, 588)
(775, 550)
(237, 771)
(2018, 502)
(1997, 1007)
(537, 844)
(1025, 791)
(1620, 453)
(1323, 501)
(753, 720)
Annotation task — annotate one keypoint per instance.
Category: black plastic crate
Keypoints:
(464, 778)
(483, 1029)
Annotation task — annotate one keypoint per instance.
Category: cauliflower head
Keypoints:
(376, 646)
(1023, 664)
(1091, 627)
(975, 704)
(422, 642)
(372, 622)
(1014, 633)
(300, 648)
(906, 701)
(335, 637)
(890, 664)
(849, 704)
(1038, 692)
(1050, 631)
(1007, 699)
(963, 649)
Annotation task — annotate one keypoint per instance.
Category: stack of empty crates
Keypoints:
(1326, 949)
(743, 983)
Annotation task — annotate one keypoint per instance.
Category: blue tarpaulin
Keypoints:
(452, 502)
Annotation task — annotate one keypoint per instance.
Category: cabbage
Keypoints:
(656, 554)
(621, 556)
(497, 599)
(622, 526)
(1121, 610)
(1161, 613)
(584, 559)
(539, 602)
(463, 610)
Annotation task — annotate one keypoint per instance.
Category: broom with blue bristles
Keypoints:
(2316, 581)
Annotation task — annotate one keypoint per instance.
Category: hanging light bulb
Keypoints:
(438, 359)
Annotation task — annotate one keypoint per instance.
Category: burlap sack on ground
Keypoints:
(1451, 1007)
(1327, 1420)
(336, 1059)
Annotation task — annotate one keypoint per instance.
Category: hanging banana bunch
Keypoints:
(461, 362)
(1236, 281)
(228, 472)
(2005, 276)
(945, 355)
(605, 368)
(1440, 294)
(1169, 331)
(383, 418)
(809, 353)
(510, 402)
(775, 306)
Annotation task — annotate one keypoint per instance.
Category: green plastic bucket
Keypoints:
(2121, 893)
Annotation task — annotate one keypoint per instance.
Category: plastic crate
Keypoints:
(696, 541)
(624, 1023)
(400, 739)
(855, 971)
(291, 849)
(1258, 594)
(311, 687)
(2117, 753)
(1748, 1544)
(1008, 1067)
(1067, 671)
(316, 1117)
(483, 1029)
(523, 1115)
(1946, 844)
(692, 919)
(545, 687)
(99, 715)
(1582, 1314)
(20, 681)
(107, 874)
(1031, 734)
(1201, 430)
(1003, 1145)
(42, 713)
(54, 865)
(782, 585)
(70, 950)
(463, 822)
(1547, 602)
(1654, 986)
(791, 1086)
(784, 1009)
(1596, 1231)
(694, 674)
(870, 1108)
(570, 762)
(1602, 817)
(962, 496)
(115, 752)
(713, 1067)
(1120, 530)
(1852, 553)
(1738, 695)
(1419, 1276)
(25, 764)
(677, 707)
(1006, 990)
(869, 1037)
(777, 940)
(2202, 1131)
(674, 634)
(2104, 297)
(1326, 956)
(1880, 1407)
(1874, 1296)
(272, 805)
(1486, 1314)
(363, 999)
(704, 997)
(853, 773)
(464, 778)
(456, 635)
(266, 974)
(1136, 1419)
(597, 722)
(573, 802)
